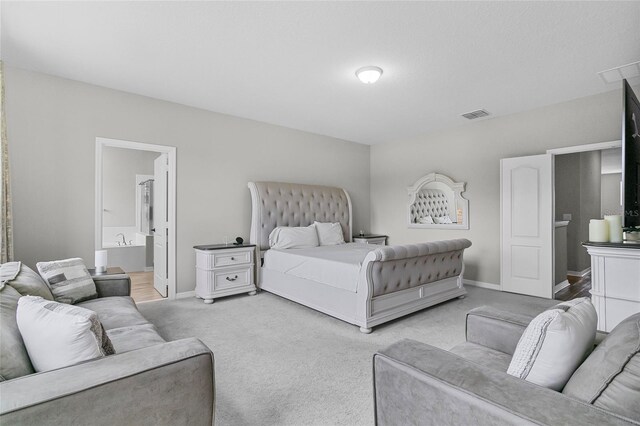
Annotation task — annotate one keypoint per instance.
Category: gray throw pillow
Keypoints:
(25, 280)
(14, 359)
(69, 280)
(610, 377)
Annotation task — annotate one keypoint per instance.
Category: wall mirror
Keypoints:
(436, 201)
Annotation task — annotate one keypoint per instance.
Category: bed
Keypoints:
(382, 282)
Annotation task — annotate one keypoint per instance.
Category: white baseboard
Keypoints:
(480, 284)
(560, 286)
(579, 274)
(148, 268)
(186, 294)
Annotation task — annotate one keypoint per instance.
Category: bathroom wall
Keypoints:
(119, 169)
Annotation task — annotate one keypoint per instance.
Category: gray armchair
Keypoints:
(418, 384)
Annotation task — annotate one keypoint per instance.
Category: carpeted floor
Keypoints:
(280, 363)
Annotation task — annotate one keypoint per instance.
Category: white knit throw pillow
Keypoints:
(555, 343)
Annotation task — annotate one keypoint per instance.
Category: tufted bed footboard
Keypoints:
(397, 280)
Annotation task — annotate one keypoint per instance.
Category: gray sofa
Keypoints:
(147, 382)
(418, 384)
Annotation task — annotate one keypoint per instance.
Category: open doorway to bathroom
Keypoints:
(135, 214)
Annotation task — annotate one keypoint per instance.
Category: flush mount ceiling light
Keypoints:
(369, 75)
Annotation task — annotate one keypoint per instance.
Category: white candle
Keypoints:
(101, 261)
(615, 227)
(598, 231)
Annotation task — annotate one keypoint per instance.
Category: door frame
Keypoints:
(171, 199)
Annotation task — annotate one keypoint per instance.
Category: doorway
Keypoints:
(135, 214)
(587, 186)
(529, 223)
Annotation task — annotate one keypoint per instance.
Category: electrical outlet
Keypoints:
(566, 216)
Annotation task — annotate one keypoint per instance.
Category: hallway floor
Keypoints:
(142, 287)
(579, 287)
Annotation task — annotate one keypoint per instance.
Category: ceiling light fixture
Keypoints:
(369, 75)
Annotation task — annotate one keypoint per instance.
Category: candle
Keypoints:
(615, 227)
(101, 261)
(598, 231)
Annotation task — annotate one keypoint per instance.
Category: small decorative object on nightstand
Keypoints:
(380, 240)
(223, 270)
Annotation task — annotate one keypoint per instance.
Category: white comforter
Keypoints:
(337, 266)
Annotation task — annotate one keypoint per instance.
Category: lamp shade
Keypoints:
(101, 261)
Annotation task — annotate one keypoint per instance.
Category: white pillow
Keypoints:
(426, 220)
(57, 335)
(443, 219)
(285, 237)
(329, 234)
(555, 343)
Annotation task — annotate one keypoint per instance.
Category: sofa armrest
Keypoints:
(415, 383)
(495, 329)
(113, 285)
(170, 383)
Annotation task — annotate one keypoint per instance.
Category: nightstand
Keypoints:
(223, 270)
(380, 240)
(112, 270)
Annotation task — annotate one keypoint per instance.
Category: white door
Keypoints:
(160, 225)
(526, 217)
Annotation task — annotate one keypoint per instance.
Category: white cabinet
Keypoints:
(223, 270)
(615, 282)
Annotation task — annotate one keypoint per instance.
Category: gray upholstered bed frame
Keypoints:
(394, 280)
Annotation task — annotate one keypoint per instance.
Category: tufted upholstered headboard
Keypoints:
(429, 202)
(292, 204)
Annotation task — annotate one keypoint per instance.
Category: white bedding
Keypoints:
(337, 266)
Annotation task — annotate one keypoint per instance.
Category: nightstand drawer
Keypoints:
(231, 277)
(222, 258)
(379, 240)
(236, 258)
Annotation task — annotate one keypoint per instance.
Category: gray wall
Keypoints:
(119, 169)
(52, 127)
(610, 195)
(567, 186)
(471, 153)
(590, 172)
(578, 188)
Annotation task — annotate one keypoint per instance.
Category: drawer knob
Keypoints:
(233, 258)
(232, 279)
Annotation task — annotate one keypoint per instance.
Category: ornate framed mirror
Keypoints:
(436, 201)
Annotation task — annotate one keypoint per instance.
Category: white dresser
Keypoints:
(615, 282)
(223, 270)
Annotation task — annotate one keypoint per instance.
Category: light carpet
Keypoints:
(280, 363)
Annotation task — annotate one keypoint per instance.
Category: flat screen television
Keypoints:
(630, 159)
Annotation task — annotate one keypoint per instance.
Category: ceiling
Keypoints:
(293, 63)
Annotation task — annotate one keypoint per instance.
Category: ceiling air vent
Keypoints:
(616, 74)
(475, 114)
